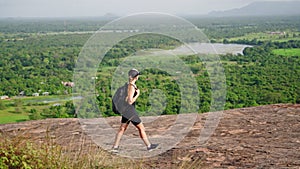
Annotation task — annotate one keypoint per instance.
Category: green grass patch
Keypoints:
(12, 113)
(287, 52)
(269, 36)
(13, 118)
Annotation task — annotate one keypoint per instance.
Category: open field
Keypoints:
(18, 109)
(287, 52)
(269, 36)
(8, 116)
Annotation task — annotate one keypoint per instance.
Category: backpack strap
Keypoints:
(135, 87)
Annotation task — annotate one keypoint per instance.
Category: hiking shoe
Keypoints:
(152, 147)
(115, 150)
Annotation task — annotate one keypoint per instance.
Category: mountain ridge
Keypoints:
(262, 8)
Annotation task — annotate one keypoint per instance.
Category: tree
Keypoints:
(18, 105)
(2, 105)
(34, 115)
(70, 109)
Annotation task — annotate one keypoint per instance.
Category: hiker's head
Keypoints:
(133, 74)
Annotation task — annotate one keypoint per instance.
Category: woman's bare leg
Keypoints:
(143, 134)
(120, 133)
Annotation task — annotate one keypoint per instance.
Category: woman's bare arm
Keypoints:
(131, 92)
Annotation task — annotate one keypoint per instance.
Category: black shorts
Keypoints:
(135, 120)
(131, 115)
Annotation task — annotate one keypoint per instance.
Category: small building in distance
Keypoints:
(4, 97)
(68, 84)
(35, 94)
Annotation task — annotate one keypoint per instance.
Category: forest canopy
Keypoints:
(36, 56)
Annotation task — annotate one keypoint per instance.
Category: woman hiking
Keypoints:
(129, 114)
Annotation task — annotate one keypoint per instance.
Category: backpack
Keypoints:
(119, 102)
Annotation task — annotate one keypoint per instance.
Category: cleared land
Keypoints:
(287, 52)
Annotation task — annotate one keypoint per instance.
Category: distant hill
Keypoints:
(263, 8)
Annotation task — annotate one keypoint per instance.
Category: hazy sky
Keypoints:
(67, 8)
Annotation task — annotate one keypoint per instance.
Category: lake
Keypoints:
(210, 48)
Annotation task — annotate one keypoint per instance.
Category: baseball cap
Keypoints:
(133, 73)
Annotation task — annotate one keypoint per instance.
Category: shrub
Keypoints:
(17, 153)
(2, 105)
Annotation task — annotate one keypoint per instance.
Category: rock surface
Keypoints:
(255, 137)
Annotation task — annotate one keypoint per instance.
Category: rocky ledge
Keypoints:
(255, 137)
